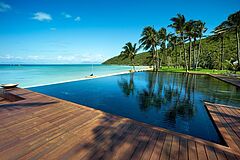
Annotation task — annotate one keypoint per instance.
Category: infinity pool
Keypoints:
(174, 101)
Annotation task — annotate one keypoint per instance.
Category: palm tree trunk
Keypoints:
(154, 59)
(185, 55)
(199, 51)
(175, 50)
(194, 45)
(157, 55)
(180, 56)
(133, 65)
(161, 60)
(189, 53)
(238, 49)
(166, 57)
(222, 51)
(157, 58)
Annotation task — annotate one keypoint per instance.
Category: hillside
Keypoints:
(141, 59)
(208, 59)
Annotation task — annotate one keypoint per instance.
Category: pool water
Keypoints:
(174, 101)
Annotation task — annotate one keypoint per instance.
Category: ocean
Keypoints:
(37, 75)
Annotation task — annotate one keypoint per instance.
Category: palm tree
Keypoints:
(149, 41)
(163, 37)
(188, 31)
(233, 24)
(173, 41)
(201, 29)
(219, 34)
(129, 51)
(195, 35)
(178, 23)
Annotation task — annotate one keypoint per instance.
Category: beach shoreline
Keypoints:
(88, 78)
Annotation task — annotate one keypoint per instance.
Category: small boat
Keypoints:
(6, 86)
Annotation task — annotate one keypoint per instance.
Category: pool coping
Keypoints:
(223, 78)
(217, 76)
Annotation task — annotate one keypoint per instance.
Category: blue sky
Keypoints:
(90, 31)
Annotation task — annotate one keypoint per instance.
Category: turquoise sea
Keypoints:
(33, 75)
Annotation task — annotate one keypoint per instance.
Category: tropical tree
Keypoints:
(129, 51)
(173, 41)
(149, 41)
(195, 35)
(188, 31)
(178, 23)
(200, 30)
(219, 34)
(233, 24)
(163, 37)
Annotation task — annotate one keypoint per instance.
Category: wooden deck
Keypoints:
(43, 127)
(227, 120)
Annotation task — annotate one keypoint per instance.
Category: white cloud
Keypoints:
(4, 7)
(53, 29)
(66, 15)
(59, 59)
(41, 16)
(77, 19)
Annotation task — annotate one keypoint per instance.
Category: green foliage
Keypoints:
(141, 59)
(197, 71)
(210, 57)
(218, 51)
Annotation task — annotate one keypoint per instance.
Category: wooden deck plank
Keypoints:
(165, 155)
(183, 153)
(192, 151)
(43, 127)
(158, 147)
(175, 148)
(95, 146)
(231, 156)
(220, 155)
(75, 143)
(30, 143)
(135, 142)
(124, 147)
(150, 147)
(201, 152)
(144, 140)
(211, 153)
(231, 119)
(230, 137)
(116, 144)
(108, 142)
(48, 147)
(71, 141)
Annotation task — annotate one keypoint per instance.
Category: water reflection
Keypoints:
(175, 92)
(127, 86)
(177, 95)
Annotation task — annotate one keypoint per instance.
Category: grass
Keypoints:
(199, 70)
